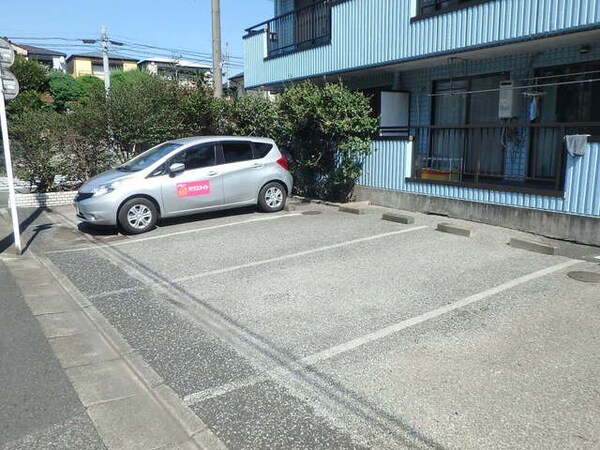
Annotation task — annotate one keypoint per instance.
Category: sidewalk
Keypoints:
(39, 409)
(68, 380)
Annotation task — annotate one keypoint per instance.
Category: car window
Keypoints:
(261, 149)
(237, 151)
(196, 157)
(148, 158)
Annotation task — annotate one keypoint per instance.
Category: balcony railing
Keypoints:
(513, 157)
(427, 8)
(298, 30)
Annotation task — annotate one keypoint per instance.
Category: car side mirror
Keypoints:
(176, 168)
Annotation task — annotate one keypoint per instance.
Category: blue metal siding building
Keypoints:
(377, 33)
(493, 87)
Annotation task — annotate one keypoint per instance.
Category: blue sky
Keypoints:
(173, 24)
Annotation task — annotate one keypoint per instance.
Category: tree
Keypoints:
(64, 89)
(33, 84)
(251, 115)
(202, 114)
(86, 140)
(37, 147)
(143, 111)
(32, 75)
(328, 131)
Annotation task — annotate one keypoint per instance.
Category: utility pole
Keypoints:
(226, 73)
(104, 43)
(216, 33)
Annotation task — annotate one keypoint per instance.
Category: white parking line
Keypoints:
(262, 262)
(374, 336)
(177, 233)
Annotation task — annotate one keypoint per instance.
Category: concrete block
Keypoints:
(135, 423)
(81, 349)
(65, 324)
(399, 218)
(533, 246)
(454, 229)
(103, 382)
(351, 210)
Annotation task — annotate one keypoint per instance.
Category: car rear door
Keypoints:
(199, 186)
(242, 174)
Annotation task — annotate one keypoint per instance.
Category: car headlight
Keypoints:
(105, 189)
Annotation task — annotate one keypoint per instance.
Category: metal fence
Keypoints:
(300, 29)
(527, 155)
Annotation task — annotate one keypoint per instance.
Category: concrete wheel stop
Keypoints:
(454, 229)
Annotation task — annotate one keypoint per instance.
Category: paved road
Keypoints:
(318, 329)
(40, 409)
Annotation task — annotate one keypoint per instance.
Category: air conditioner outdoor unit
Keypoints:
(509, 101)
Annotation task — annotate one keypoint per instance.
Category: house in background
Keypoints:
(236, 84)
(91, 64)
(52, 59)
(474, 98)
(238, 88)
(178, 69)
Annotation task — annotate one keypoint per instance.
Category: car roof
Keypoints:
(200, 139)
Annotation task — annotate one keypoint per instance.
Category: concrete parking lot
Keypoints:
(314, 328)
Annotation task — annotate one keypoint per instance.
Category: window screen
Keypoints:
(237, 151)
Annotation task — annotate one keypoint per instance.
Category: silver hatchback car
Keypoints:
(187, 176)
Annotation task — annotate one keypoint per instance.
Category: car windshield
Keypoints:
(149, 157)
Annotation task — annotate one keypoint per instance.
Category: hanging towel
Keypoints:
(576, 144)
(534, 111)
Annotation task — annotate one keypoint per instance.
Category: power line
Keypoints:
(135, 50)
(190, 52)
(132, 43)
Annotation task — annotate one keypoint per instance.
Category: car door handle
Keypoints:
(212, 173)
(256, 166)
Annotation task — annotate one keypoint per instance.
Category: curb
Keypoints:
(309, 200)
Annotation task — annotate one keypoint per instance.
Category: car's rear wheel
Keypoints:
(272, 197)
(137, 215)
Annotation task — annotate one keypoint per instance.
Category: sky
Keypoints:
(171, 24)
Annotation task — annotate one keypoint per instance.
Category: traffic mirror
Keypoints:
(10, 85)
(7, 54)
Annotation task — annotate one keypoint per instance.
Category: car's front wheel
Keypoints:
(272, 197)
(137, 215)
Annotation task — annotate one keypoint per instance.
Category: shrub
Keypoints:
(64, 90)
(251, 115)
(37, 148)
(32, 75)
(143, 111)
(328, 131)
